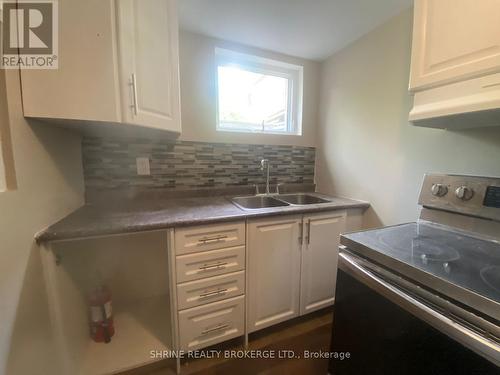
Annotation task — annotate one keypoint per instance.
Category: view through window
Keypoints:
(258, 95)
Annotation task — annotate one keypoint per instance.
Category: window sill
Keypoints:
(258, 132)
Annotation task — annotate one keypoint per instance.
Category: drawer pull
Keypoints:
(209, 267)
(209, 240)
(215, 329)
(491, 85)
(213, 293)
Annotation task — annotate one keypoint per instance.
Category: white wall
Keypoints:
(198, 98)
(49, 185)
(366, 147)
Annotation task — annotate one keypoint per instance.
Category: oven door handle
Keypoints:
(480, 344)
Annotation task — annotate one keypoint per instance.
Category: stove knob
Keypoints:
(464, 193)
(446, 267)
(424, 259)
(439, 190)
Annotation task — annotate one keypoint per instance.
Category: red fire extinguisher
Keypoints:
(101, 314)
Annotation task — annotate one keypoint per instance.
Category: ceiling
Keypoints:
(312, 29)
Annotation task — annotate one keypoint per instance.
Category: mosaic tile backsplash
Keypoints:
(111, 163)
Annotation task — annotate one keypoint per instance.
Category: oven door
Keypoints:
(391, 326)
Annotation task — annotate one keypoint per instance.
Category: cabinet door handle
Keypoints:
(218, 328)
(133, 83)
(308, 236)
(208, 267)
(301, 233)
(213, 293)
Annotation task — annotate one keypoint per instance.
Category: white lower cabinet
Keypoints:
(236, 278)
(208, 271)
(292, 266)
(213, 323)
(188, 288)
(319, 260)
(209, 237)
(199, 292)
(210, 263)
(273, 271)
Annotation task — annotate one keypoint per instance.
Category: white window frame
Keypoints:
(293, 73)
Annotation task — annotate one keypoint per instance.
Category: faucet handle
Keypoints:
(278, 188)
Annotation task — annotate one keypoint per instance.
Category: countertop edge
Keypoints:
(45, 236)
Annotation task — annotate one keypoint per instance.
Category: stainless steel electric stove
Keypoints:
(424, 297)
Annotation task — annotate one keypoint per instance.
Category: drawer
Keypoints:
(210, 324)
(209, 263)
(216, 288)
(208, 237)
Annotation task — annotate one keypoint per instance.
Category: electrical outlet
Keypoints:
(143, 166)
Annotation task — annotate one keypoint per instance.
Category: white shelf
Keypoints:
(139, 328)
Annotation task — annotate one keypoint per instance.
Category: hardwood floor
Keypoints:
(311, 333)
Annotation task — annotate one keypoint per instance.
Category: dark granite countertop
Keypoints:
(143, 215)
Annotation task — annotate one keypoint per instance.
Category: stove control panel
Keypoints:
(467, 195)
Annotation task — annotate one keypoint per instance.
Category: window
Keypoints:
(258, 95)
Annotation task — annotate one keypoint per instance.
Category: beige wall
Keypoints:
(198, 100)
(366, 147)
(49, 185)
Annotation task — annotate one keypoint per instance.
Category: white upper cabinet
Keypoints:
(455, 63)
(118, 63)
(454, 40)
(149, 63)
(85, 85)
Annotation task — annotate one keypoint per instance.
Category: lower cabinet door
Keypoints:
(213, 323)
(319, 259)
(273, 271)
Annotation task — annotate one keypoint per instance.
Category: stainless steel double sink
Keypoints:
(265, 201)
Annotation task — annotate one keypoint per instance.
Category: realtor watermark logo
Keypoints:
(29, 35)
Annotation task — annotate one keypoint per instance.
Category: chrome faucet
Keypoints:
(264, 165)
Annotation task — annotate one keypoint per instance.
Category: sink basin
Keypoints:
(257, 202)
(302, 199)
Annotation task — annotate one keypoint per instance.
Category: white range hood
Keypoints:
(468, 104)
(455, 64)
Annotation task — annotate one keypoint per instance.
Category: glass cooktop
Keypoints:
(454, 257)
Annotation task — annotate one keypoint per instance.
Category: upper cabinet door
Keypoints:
(85, 86)
(319, 259)
(149, 63)
(454, 40)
